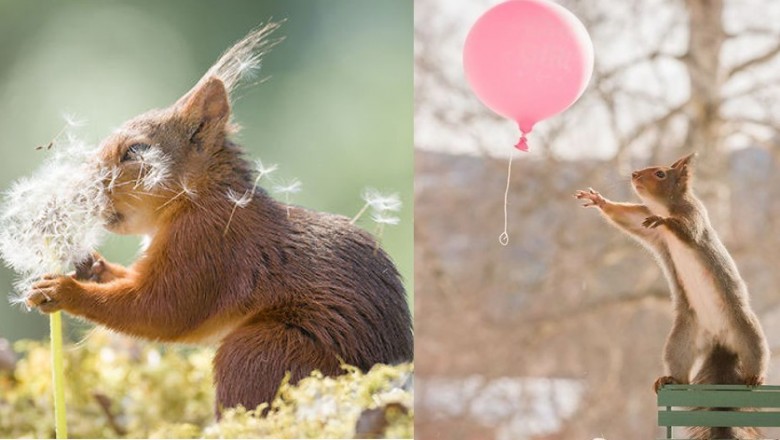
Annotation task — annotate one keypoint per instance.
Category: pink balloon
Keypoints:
(528, 60)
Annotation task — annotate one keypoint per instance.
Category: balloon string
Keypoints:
(504, 237)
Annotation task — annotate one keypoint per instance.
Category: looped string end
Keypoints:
(504, 237)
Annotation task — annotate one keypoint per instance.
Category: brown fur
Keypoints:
(282, 292)
(673, 224)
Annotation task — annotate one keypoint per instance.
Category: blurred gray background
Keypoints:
(336, 112)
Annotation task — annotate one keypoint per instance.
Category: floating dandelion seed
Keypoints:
(383, 219)
(241, 201)
(155, 169)
(263, 170)
(248, 67)
(294, 186)
(380, 204)
(188, 192)
(72, 120)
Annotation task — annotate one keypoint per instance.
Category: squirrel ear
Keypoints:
(207, 103)
(684, 161)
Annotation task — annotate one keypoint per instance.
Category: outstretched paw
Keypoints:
(591, 197)
(754, 381)
(664, 380)
(653, 221)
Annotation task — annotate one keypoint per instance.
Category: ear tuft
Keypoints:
(684, 161)
(207, 103)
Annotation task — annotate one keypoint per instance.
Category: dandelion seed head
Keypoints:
(52, 219)
(291, 187)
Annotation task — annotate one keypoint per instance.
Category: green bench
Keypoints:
(676, 403)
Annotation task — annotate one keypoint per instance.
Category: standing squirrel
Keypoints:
(713, 318)
(280, 288)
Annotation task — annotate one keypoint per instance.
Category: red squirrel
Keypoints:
(281, 289)
(713, 318)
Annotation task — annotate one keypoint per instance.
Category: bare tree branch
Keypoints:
(763, 58)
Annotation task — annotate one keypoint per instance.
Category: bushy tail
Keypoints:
(721, 367)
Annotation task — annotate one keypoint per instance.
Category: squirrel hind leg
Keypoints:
(679, 356)
(752, 349)
(252, 361)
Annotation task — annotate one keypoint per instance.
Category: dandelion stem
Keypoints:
(58, 374)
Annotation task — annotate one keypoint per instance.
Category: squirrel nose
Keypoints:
(635, 174)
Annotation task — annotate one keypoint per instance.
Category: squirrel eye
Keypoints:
(660, 174)
(134, 150)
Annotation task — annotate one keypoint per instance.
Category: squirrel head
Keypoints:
(662, 185)
(161, 158)
(162, 154)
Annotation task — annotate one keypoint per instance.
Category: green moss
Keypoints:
(118, 388)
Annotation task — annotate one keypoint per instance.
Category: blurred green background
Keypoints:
(336, 112)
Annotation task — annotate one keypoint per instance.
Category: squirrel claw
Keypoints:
(664, 380)
(653, 221)
(591, 197)
(754, 381)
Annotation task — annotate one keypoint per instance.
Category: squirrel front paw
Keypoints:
(96, 269)
(653, 221)
(664, 380)
(91, 269)
(591, 197)
(754, 381)
(47, 294)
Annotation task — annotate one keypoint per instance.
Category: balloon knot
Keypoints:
(522, 144)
